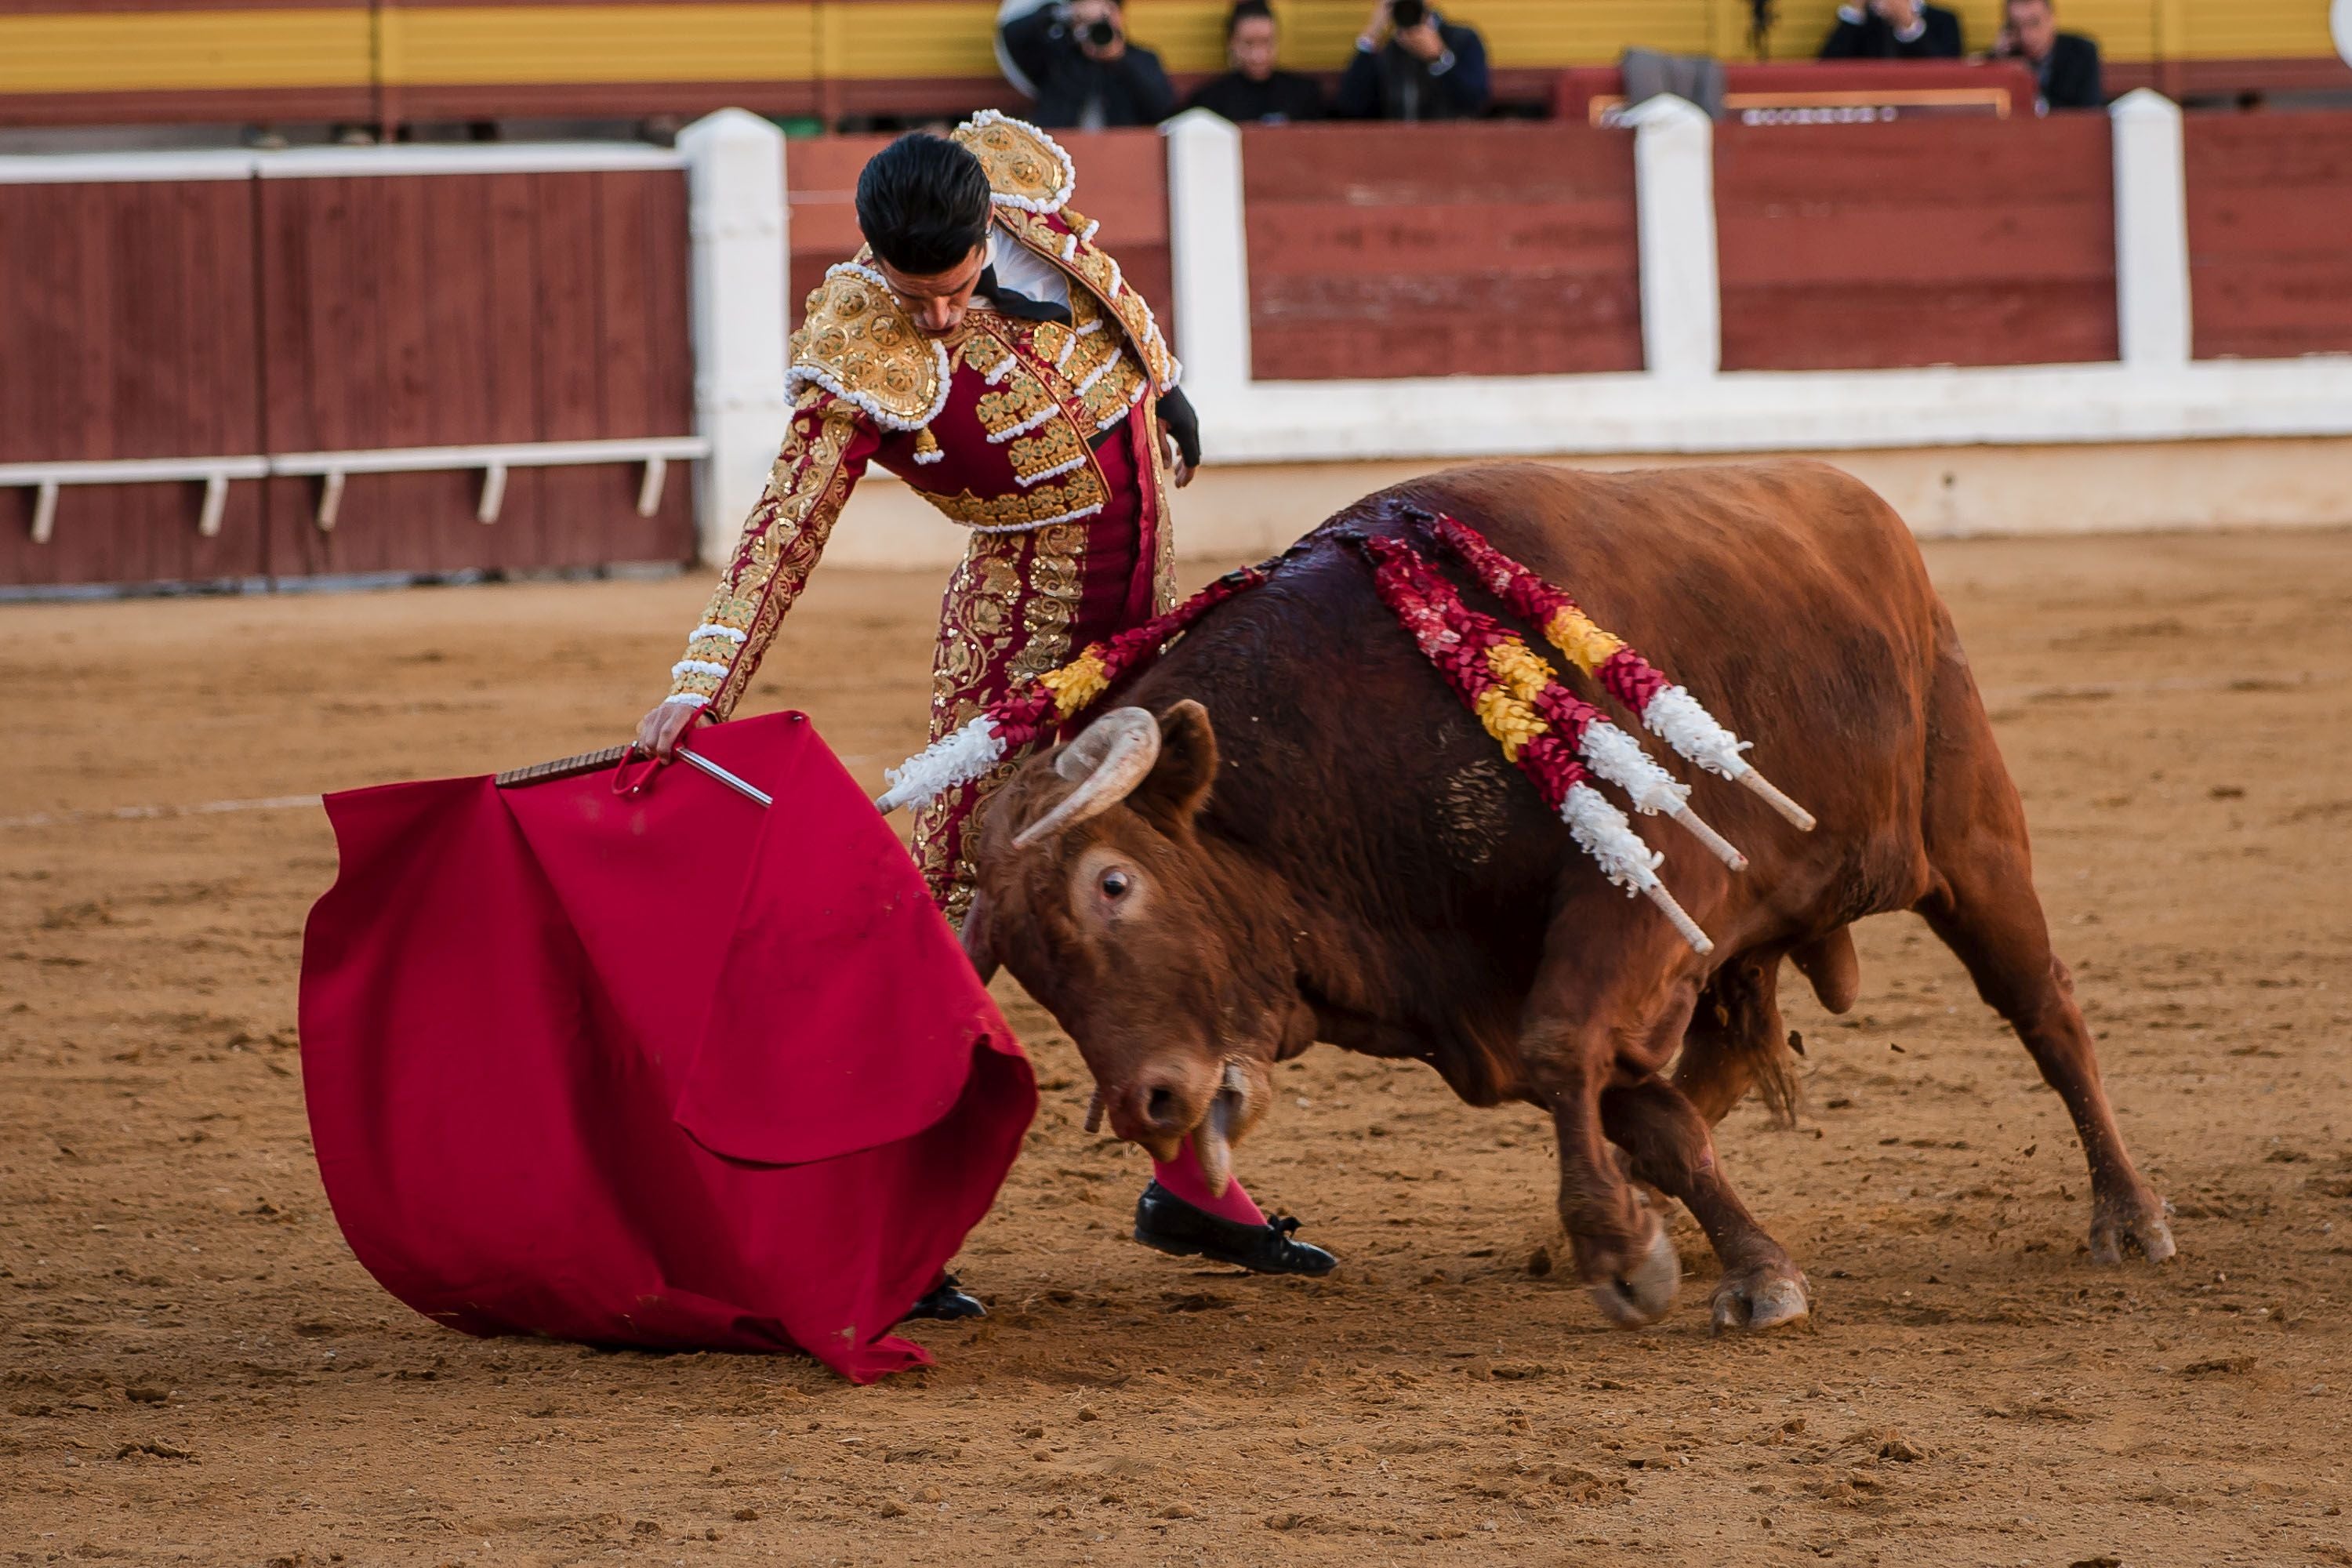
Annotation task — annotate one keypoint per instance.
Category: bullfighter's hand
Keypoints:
(1376, 31)
(658, 732)
(1422, 41)
(1178, 469)
(1900, 14)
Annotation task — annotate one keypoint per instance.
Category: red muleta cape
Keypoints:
(670, 1070)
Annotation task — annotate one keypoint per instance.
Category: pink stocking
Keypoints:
(1183, 1178)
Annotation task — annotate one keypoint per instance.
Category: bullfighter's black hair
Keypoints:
(922, 203)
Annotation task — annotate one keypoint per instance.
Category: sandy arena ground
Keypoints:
(192, 1369)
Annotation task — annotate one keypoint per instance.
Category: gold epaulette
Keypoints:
(858, 343)
(1027, 169)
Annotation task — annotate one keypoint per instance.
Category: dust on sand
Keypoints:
(193, 1369)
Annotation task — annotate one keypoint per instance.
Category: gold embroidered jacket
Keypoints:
(993, 424)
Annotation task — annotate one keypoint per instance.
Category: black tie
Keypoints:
(1018, 305)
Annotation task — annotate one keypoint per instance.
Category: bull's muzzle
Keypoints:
(1159, 1112)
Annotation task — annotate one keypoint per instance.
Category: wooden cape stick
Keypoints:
(561, 768)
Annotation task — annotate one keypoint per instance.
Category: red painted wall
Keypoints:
(127, 330)
(452, 310)
(2270, 233)
(240, 318)
(1478, 249)
(1916, 243)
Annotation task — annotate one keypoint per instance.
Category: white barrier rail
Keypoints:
(1681, 402)
(48, 479)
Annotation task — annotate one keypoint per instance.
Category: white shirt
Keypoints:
(1024, 271)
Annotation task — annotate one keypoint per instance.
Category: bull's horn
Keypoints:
(1114, 755)
(1212, 1146)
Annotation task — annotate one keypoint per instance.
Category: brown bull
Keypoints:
(1294, 832)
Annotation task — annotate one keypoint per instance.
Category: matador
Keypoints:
(984, 349)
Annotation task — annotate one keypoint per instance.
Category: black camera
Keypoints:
(1403, 14)
(1102, 35)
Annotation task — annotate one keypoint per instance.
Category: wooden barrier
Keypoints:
(127, 330)
(2270, 233)
(1122, 184)
(249, 319)
(1391, 250)
(460, 309)
(1940, 242)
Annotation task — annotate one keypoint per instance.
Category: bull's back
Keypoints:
(1787, 548)
(1791, 600)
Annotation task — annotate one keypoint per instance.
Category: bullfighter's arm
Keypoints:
(825, 453)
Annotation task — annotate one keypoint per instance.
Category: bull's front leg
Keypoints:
(1667, 1143)
(1604, 1012)
(1622, 1252)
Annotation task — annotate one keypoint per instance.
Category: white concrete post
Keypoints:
(1673, 186)
(2152, 231)
(740, 250)
(1208, 249)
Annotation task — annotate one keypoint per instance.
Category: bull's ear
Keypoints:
(978, 939)
(1180, 781)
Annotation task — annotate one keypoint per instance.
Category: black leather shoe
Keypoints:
(1166, 1223)
(947, 1301)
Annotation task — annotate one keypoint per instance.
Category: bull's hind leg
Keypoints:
(1667, 1141)
(1983, 906)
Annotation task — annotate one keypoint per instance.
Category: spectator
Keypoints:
(1254, 91)
(1413, 64)
(1893, 30)
(1086, 74)
(2066, 65)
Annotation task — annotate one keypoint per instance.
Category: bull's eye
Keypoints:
(1115, 884)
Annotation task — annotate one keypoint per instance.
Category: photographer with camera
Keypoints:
(1413, 64)
(1087, 75)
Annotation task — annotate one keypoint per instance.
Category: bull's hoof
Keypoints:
(1763, 1298)
(1642, 1293)
(2131, 1222)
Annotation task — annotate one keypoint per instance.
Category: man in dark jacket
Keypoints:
(1413, 64)
(1086, 74)
(2066, 65)
(1254, 92)
(1893, 30)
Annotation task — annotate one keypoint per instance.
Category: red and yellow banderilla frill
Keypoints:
(1552, 735)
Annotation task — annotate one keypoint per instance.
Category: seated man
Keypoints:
(986, 350)
(1413, 64)
(1254, 92)
(2065, 65)
(1086, 75)
(1893, 30)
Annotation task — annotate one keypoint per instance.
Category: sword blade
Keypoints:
(746, 790)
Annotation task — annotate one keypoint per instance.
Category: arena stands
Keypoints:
(844, 63)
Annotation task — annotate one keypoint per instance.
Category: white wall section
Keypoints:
(739, 260)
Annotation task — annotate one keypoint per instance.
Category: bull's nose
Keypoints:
(1159, 1106)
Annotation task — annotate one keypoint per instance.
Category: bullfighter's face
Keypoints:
(938, 300)
(1098, 892)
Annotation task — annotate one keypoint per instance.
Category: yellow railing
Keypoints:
(765, 40)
